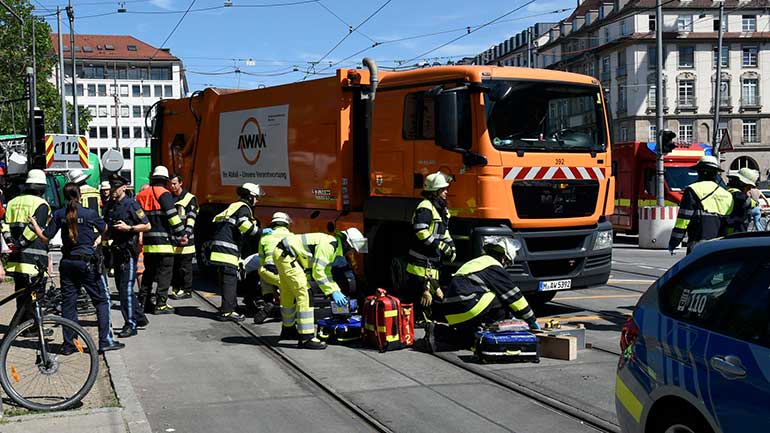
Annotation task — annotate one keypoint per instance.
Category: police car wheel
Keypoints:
(680, 420)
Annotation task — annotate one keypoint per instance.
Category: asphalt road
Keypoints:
(194, 374)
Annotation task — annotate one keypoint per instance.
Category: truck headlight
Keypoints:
(603, 240)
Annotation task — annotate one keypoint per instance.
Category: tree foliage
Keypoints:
(15, 57)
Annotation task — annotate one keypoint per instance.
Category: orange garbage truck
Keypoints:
(528, 149)
(633, 165)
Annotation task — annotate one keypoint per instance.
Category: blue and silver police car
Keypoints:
(696, 352)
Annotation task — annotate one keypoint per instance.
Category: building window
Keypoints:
(146, 90)
(716, 25)
(124, 90)
(686, 57)
(137, 132)
(101, 89)
(102, 111)
(113, 132)
(652, 97)
(158, 91)
(623, 28)
(684, 23)
(685, 131)
(651, 21)
(687, 93)
(160, 73)
(622, 99)
(92, 90)
(125, 132)
(137, 110)
(92, 110)
(652, 57)
(744, 162)
(605, 68)
(93, 132)
(653, 133)
(606, 34)
(750, 92)
(136, 91)
(124, 111)
(750, 131)
(724, 93)
(621, 69)
(725, 56)
(168, 91)
(750, 54)
(624, 134)
(103, 132)
(749, 23)
(113, 90)
(112, 111)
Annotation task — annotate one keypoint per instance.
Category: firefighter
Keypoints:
(481, 292)
(79, 267)
(89, 196)
(739, 184)
(703, 209)
(268, 273)
(105, 192)
(125, 220)
(431, 243)
(27, 251)
(230, 226)
(187, 208)
(166, 231)
(314, 252)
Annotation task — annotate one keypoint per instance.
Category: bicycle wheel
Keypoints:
(57, 384)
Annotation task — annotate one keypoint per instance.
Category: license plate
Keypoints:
(555, 285)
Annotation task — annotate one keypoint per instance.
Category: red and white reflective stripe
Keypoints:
(537, 173)
(659, 213)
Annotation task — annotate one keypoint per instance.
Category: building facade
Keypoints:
(119, 78)
(614, 41)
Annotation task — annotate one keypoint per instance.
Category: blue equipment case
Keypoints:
(340, 329)
(506, 346)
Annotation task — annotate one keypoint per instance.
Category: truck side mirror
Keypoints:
(447, 114)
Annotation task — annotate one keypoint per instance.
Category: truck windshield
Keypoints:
(679, 178)
(537, 116)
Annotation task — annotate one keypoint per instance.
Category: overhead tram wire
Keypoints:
(350, 26)
(350, 32)
(192, 3)
(204, 9)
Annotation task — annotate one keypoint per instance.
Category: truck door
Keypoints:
(391, 152)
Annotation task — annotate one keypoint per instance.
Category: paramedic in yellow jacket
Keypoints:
(314, 252)
(268, 273)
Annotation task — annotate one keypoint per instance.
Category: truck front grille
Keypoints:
(554, 268)
(535, 199)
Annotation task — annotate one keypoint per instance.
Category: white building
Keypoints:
(119, 78)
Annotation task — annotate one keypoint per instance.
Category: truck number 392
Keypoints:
(559, 161)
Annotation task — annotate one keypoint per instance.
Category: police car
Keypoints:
(696, 352)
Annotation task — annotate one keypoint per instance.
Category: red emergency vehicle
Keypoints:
(633, 164)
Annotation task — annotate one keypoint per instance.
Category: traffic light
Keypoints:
(667, 141)
(37, 156)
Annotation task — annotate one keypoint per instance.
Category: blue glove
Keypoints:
(535, 326)
(339, 299)
(266, 231)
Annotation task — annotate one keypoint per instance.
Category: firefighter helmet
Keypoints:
(436, 181)
(281, 218)
(502, 245)
(77, 176)
(356, 240)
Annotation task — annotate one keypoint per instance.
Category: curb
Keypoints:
(133, 414)
(59, 414)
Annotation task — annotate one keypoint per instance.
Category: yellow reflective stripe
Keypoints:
(390, 338)
(391, 313)
(29, 234)
(622, 202)
(175, 220)
(628, 399)
(21, 268)
(477, 309)
(681, 223)
(158, 249)
(188, 249)
(421, 271)
(246, 226)
(653, 202)
(520, 304)
(478, 264)
(222, 258)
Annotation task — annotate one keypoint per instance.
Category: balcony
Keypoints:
(620, 71)
(725, 105)
(652, 108)
(688, 103)
(750, 103)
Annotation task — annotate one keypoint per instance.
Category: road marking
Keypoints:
(575, 318)
(597, 297)
(645, 267)
(207, 294)
(622, 281)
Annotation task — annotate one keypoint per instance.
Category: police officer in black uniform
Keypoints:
(80, 228)
(125, 220)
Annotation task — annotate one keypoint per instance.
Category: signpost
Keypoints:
(66, 152)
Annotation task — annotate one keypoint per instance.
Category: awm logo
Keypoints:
(251, 141)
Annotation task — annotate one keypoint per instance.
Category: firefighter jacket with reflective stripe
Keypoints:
(267, 272)
(702, 213)
(165, 224)
(91, 199)
(17, 231)
(738, 220)
(430, 224)
(187, 208)
(475, 285)
(230, 226)
(315, 252)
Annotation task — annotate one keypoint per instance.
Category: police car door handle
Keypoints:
(729, 366)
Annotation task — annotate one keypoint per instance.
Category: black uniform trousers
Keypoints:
(158, 268)
(75, 274)
(125, 278)
(463, 334)
(183, 272)
(228, 284)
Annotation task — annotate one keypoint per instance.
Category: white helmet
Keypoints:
(36, 177)
(747, 176)
(281, 218)
(356, 240)
(502, 245)
(104, 185)
(707, 162)
(77, 176)
(250, 189)
(436, 181)
(159, 172)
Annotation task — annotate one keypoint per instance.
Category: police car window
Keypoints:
(696, 294)
(746, 313)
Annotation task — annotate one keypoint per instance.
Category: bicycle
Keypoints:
(35, 371)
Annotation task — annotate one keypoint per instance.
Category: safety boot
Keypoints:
(264, 312)
(312, 344)
(289, 333)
